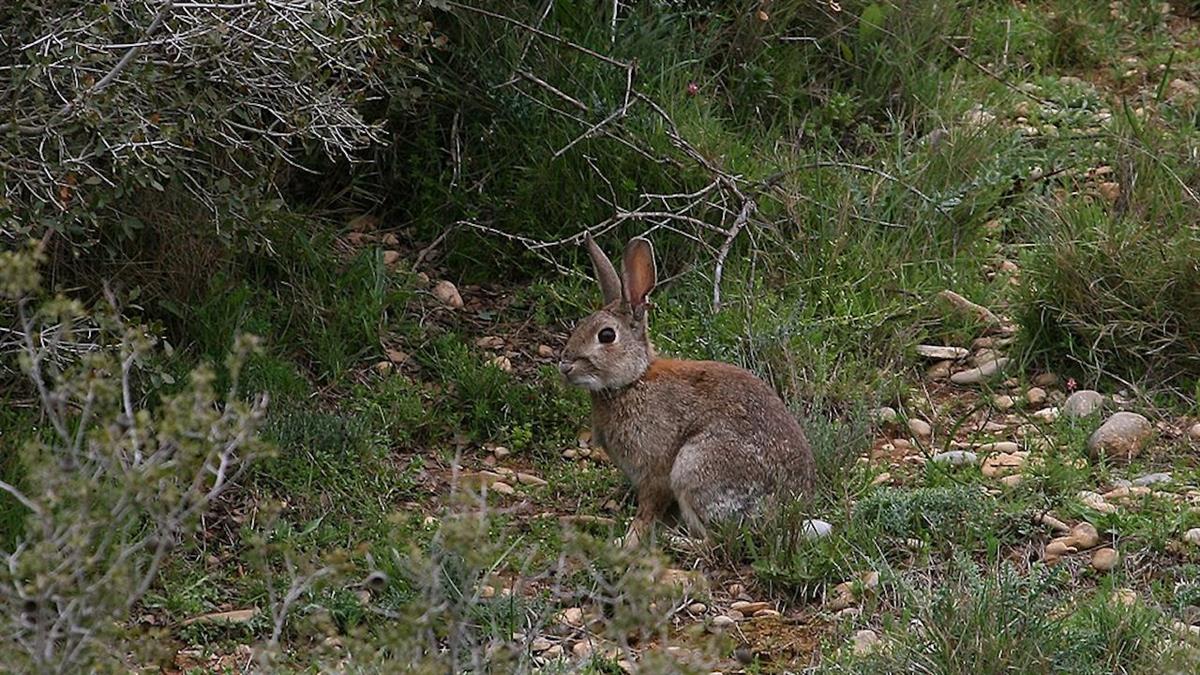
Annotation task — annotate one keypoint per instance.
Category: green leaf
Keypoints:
(870, 22)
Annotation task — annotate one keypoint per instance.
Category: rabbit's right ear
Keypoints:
(606, 274)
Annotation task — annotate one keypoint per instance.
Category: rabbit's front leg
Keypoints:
(653, 501)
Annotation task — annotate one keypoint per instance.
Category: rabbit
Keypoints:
(706, 436)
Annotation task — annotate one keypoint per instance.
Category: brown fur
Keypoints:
(709, 436)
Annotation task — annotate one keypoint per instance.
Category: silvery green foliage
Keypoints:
(118, 112)
(110, 488)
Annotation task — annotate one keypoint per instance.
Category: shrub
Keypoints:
(110, 488)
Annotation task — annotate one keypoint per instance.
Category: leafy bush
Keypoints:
(139, 118)
(110, 488)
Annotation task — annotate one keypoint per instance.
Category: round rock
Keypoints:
(1121, 436)
(1192, 536)
(815, 529)
(1082, 403)
(1194, 432)
(920, 428)
(1105, 559)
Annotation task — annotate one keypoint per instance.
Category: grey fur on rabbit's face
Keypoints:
(709, 437)
(608, 350)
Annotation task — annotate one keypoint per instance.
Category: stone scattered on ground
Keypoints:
(1122, 436)
(697, 608)
(545, 351)
(1053, 523)
(1096, 502)
(980, 373)
(865, 641)
(500, 452)
(1083, 536)
(447, 294)
(999, 446)
(1045, 415)
(1105, 559)
(1192, 536)
(748, 608)
(530, 479)
(1194, 432)
(920, 428)
(1003, 402)
(571, 616)
(1151, 479)
(955, 457)
(1124, 596)
(503, 488)
(1036, 396)
(885, 415)
(721, 622)
(1003, 464)
(1082, 403)
(940, 353)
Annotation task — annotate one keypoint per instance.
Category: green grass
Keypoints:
(874, 192)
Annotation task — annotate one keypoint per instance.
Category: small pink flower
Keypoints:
(693, 89)
(1071, 384)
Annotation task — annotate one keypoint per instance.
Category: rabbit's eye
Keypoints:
(607, 335)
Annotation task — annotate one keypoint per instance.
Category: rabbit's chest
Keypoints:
(643, 451)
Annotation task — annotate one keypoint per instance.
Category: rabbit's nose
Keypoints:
(565, 367)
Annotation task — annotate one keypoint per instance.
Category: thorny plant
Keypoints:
(195, 99)
(110, 488)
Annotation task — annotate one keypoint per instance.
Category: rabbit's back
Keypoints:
(707, 428)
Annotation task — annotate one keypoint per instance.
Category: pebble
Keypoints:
(501, 452)
(447, 293)
(721, 622)
(939, 370)
(530, 479)
(1036, 396)
(1012, 481)
(815, 529)
(920, 428)
(1002, 464)
(1084, 536)
(502, 362)
(1054, 523)
(503, 488)
(981, 373)
(1194, 432)
(697, 608)
(571, 616)
(1057, 549)
(1096, 502)
(735, 615)
(1124, 596)
(1000, 446)
(940, 353)
(865, 642)
(885, 415)
(1045, 415)
(540, 644)
(545, 351)
(747, 608)
(570, 453)
(1004, 402)
(767, 614)
(1192, 536)
(955, 457)
(1105, 559)
(1045, 379)
(1151, 479)
(1122, 436)
(882, 479)
(1082, 403)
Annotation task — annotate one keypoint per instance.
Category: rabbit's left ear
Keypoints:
(606, 274)
(637, 271)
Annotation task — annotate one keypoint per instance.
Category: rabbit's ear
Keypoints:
(606, 274)
(638, 267)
